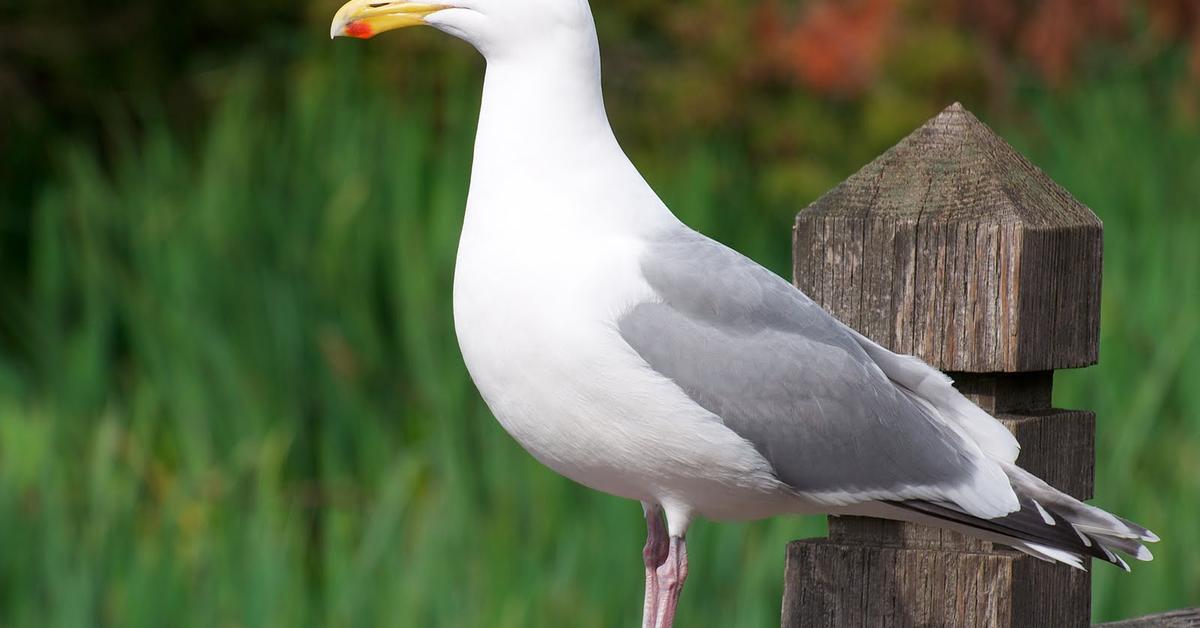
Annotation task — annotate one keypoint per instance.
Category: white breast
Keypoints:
(548, 262)
(540, 340)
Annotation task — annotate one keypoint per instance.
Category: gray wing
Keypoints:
(785, 375)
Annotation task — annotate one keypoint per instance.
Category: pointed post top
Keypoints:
(954, 167)
(953, 247)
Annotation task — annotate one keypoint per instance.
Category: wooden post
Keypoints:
(1183, 618)
(954, 248)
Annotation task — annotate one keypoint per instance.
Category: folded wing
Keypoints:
(840, 419)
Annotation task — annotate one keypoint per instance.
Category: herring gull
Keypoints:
(638, 357)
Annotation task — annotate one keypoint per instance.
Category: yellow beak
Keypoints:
(366, 18)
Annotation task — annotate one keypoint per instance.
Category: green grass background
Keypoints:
(237, 399)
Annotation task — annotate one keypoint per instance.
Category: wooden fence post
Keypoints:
(954, 248)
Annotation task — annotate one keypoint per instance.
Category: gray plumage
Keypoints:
(785, 375)
(833, 412)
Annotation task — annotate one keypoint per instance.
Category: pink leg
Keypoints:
(654, 555)
(671, 575)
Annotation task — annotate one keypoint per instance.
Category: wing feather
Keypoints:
(838, 417)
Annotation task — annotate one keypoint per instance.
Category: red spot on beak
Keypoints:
(359, 29)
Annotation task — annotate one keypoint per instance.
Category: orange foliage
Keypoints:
(1178, 19)
(835, 47)
(838, 46)
(1053, 35)
(1049, 34)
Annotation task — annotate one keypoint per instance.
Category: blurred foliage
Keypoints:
(868, 68)
(808, 90)
(229, 388)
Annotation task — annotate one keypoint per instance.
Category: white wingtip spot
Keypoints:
(1087, 541)
(1144, 554)
(1150, 537)
(1050, 553)
(1045, 515)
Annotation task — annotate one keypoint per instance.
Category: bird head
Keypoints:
(494, 27)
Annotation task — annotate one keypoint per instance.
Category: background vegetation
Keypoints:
(230, 392)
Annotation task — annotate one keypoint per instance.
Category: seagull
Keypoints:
(640, 358)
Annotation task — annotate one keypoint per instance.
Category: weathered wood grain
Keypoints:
(954, 248)
(867, 586)
(1184, 618)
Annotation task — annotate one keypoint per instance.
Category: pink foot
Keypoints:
(671, 575)
(654, 555)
